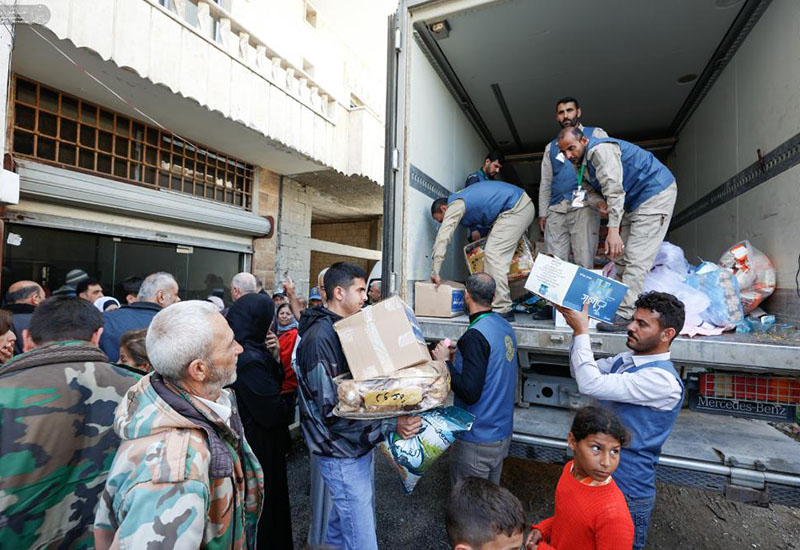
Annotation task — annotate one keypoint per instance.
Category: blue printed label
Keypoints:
(457, 305)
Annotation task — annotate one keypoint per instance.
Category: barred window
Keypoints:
(59, 129)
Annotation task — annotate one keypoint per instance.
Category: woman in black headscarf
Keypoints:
(258, 388)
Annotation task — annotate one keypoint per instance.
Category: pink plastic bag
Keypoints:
(753, 271)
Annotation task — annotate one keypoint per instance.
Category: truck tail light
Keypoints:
(783, 390)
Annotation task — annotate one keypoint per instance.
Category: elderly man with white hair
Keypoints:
(158, 291)
(184, 475)
(243, 283)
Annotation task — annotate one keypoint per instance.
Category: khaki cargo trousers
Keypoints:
(574, 229)
(642, 232)
(501, 245)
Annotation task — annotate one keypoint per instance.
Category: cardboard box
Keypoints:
(445, 301)
(381, 339)
(568, 285)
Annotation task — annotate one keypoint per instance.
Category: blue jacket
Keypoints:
(643, 175)
(565, 179)
(476, 177)
(485, 202)
(650, 428)
(494, 411)
(131, 317)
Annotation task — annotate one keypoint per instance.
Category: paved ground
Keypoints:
(683, 518)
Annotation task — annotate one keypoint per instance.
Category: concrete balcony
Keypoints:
(168, 62)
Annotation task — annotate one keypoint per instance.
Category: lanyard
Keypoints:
(580, 176)
(481, 316)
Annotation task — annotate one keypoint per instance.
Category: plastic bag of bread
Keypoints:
(413, 389)
(414, 456)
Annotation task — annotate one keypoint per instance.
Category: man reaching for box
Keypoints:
(503, 207)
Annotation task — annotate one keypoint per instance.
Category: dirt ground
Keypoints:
(683, 518)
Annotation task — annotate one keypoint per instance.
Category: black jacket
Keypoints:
(20, 320)
(258, 373)
(320, 359)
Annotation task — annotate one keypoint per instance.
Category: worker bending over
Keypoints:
(504, 208)
(638, 194)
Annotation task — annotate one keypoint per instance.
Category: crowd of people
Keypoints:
(164, 424)
(147, 422)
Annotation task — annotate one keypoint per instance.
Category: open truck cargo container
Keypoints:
(712, 87)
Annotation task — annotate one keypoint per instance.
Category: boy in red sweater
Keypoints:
(483, 516)
(591, 512)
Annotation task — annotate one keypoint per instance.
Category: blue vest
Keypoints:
(486, 201)
(643, 175)
(565, 179)
(476, 177)
(650, 428)
(494, 411)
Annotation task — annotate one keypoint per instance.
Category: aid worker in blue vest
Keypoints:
(567, 220)
(638, 194)
(504, 208)
(492, 165)
(484, 379)
(641, 387)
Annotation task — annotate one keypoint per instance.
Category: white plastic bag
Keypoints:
(672, 257)
(663, 279)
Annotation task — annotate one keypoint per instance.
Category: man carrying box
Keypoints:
(505, 208)
(343, 448)
(483, 378)
(640, 195)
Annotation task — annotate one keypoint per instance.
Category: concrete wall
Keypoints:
(264, 249)
(294, 228)
(753, 105)
(444, 145)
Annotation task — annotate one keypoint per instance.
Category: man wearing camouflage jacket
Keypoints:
(184, 475)
(57, 404)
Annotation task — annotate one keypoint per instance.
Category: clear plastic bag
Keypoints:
(664, 279)
(721, 287)
(413, 457)
(409, 390)
(754, 273)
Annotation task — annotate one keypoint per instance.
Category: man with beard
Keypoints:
(566, 218)
(492, 165)
(638, 194)
(641, 387)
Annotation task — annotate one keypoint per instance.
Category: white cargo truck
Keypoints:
(710, 86)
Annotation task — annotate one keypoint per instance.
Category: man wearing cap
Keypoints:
(501, 206)
(314, 297)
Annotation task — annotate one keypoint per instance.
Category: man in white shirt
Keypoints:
(642, 387)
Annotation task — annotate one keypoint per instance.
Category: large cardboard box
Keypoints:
(445, 301)
(571, 286)
(381, 339)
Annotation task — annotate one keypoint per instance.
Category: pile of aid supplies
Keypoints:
(718, 296)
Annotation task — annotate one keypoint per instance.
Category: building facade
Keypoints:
(196, 137)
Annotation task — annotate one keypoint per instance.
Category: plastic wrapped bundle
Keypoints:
(521, 263)
(721, 287)
(413, 457)
(413, 389)
(754, 273)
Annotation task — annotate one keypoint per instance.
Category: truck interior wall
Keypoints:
(753, 105)
(444, 145)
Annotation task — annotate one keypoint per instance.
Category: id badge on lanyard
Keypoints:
(579, 194)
